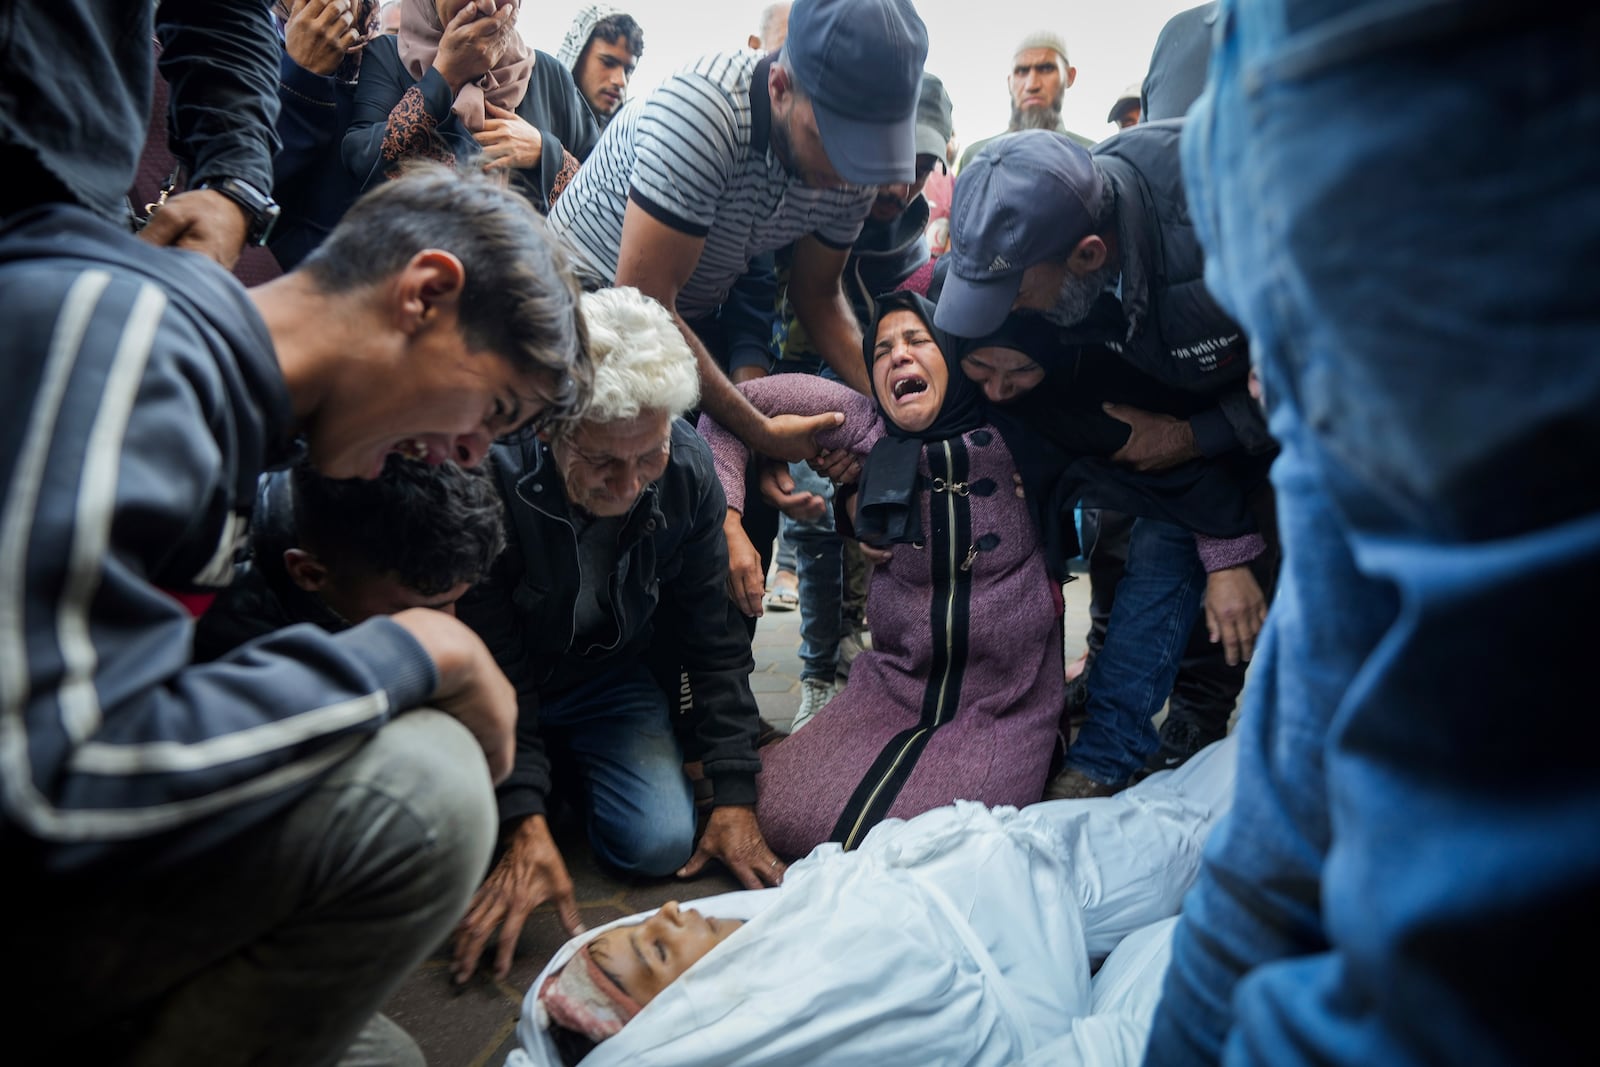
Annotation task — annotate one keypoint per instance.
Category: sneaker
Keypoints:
(814, 696)
(1073, 784)
(784, 594)
(852, 645)
(1181, 737)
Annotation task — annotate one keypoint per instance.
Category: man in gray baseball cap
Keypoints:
(1026, 211)
(1100, 243)
(860, 63)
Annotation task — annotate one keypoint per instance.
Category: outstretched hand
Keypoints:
(530, 873)
(732, 836)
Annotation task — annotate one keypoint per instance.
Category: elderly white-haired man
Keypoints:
(616, 534)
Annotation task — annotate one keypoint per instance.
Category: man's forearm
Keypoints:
(831, 325)
(721, 399)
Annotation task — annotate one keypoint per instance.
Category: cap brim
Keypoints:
(971, 309)
(868, 153)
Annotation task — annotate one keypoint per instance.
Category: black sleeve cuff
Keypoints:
(665, 217)
(436, 95)
(1213, 433)
(519, 804)
(733, 789)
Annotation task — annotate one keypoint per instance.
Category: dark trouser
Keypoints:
(1207, 688)
(857, 574)
(278, 946)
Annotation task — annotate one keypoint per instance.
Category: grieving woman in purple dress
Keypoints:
(961, 694)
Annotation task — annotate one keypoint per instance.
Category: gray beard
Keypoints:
(1036, 118)
(1077, 297)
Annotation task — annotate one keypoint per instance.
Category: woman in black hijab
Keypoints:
(961, 694)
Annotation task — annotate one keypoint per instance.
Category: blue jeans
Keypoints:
(819, 556)
(615, 731)
(814, 552)
(1131, 676)
(783, 557)
(1411, 864)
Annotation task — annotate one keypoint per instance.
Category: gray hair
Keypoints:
(641, 360)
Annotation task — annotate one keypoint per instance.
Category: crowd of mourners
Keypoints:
(410, 427)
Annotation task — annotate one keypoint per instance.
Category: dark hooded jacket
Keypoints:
(883, 256)
(145, 401)
(1166, 322)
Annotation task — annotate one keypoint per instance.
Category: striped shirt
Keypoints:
(685, 155)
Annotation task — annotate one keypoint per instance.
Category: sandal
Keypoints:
(784, 594)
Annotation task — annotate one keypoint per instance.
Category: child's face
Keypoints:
(645, 958)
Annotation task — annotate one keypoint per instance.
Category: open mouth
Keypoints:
(908, 387)
(416, 450)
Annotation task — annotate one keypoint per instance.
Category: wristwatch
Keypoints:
(259, 208)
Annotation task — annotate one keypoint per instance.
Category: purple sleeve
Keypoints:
(792, 394)
(1220, 553)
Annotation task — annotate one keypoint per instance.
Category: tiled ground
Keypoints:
(475, 1025)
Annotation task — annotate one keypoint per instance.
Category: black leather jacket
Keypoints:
(75, 82)
(671, 574)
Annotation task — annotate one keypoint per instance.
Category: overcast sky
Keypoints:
(970, 43)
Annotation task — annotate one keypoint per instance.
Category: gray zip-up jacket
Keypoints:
(144, 401)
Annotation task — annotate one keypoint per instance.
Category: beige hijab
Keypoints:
(505, 84)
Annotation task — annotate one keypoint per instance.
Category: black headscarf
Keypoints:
(887, 510)
(1062, 441)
